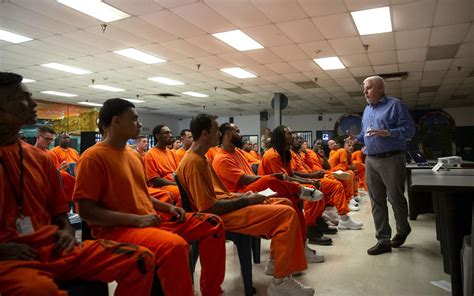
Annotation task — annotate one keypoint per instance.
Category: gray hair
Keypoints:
(376, 78)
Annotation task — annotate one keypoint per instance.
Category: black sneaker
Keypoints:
(379, 248)
(320, 240)
(323, 227)
(399, 239)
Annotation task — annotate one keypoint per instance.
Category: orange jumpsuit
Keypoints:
(358, 159)
(212, 152)
(341, 160)
(161, 163)
(251, 159)
(276, 221)
(179, 154)
(131, 266)
(58, 155)
(115, 179)
(333, 194)
(255, 154)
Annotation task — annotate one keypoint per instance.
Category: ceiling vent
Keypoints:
(307, 84)
(238, 90)
(394, 76)
(166, 95)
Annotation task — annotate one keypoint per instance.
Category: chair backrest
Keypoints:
(184, 195)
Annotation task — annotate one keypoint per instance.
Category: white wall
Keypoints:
(462, 116)
(149, 121)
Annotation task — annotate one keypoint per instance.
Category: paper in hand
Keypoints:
(268, 192)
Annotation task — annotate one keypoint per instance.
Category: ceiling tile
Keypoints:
(135, 7)
(448, 14)
(412, 39)
(237, 58)
(317, 49)
(263, 56)
(412, 55)
(305, 66)
(357, 60)
(442, 52)
(410, 67)
(174, 3)
(143, 29)
(241, 13)
(379, 42)
(383, 58)
(280, 10)
(268, 35)
(466, 50)
(116, 34)
(414, 15)
(282, 68)
(335, 26)
(446, 35)
(323, 7)
(94, 40)
(354, 5)
(181, 28)
(289, 53)
(347, 46)
(438, 65)
(385, 69)
(301, 31)
(208, 20)
(362, 71)
(185, 48)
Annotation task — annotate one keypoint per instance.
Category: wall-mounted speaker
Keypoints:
(264, 116)
(231, 119)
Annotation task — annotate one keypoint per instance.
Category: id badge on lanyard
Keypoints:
(24, 225)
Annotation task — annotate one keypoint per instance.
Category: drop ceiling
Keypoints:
(432, 40)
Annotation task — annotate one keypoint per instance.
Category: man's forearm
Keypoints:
(160, 206)
(224, 206)
(99, 216)
(247, 179)
(160, 182)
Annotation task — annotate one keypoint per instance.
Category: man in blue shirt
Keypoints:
(386, 125)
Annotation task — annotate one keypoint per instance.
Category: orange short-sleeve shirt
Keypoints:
(201, 182)
(160, 163)
(297, 163)
(272, 164)
(230, 167)
(179, 154)
(114, 178)
(43, 197)
(67, 155)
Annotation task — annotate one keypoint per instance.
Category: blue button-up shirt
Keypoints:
(388, 114)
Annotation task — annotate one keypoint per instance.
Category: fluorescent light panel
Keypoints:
(12, 37)
(66, 68)
(96, 9)
(373, 21)
(134, 100)
(331, 63)
(90, 104)
(58, 93)
(238, 72)
(165, 80)
(141, 56)
(27, 80)
(238, 40)
(106, 87)
(195, 94)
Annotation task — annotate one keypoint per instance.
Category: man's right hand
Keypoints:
(16, 251)
(256, 198)
(147, 221)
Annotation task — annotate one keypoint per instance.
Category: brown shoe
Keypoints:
(379, 248)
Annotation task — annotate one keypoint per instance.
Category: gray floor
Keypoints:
(349, 271)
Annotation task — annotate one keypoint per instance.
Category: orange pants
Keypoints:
(360, 168)
(278, 222)
(332, 194)
(169, 243)
(335, 189)
(130, 265)
(164, 196)
(174, 190)
(286, 189)
(349, 185)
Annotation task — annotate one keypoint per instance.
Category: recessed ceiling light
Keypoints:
(331, 63)
(12, 37)
(57, 93)
(195, 94)
(166, 81)
(238, 40)
(26, 80)
(141, 56)
(134, 100)
(97, 9)
(90, 104)
(373, 21)
(106, 87)
(238, 72)
(66, 68)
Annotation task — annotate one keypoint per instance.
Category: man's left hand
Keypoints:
(178, 213)
(65, 242)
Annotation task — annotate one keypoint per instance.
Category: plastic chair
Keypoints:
(242, 242)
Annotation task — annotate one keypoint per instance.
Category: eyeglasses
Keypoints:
(47, 139)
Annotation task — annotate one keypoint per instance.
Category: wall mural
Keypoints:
(436, 131)
(347, 124)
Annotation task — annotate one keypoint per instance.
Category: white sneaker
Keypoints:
(341, 175)
(288, 286)
(270, 268)
(331, 214)
(310, 194)
(353, 202)
(350, 224)
(312, 256)
(357, 198)
(353, 208)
